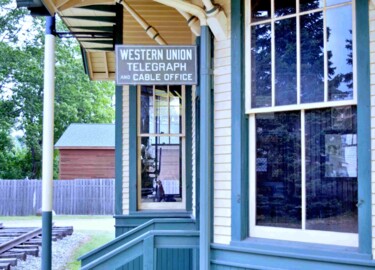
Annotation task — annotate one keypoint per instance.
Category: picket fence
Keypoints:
(70, 197)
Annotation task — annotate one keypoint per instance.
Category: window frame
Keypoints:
(164, 206)
(288, 234)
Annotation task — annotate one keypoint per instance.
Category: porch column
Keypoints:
(206, 150)
(48, 126)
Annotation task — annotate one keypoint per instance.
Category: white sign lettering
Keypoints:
(156, 64)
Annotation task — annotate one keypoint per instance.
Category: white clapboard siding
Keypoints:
(222, 136)
(125, 150)
(372, 61)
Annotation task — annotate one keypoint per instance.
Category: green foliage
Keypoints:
(77, 99)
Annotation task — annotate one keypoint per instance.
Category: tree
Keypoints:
(77, 99)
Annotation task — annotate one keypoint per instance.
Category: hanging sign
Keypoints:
(149, 65)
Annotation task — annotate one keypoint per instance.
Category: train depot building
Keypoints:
(244, 130)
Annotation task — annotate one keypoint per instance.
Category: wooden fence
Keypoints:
(70, 197)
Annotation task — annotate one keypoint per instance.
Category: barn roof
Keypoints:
(87, 136)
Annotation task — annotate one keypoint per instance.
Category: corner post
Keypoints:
(118, 120)
(205, 149)
(48, 127)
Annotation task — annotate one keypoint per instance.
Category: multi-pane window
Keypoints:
(161, 146)
(301, 102)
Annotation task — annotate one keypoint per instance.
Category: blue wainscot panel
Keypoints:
(166, 258)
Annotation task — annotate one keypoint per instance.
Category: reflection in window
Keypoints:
(274, 48)
(261, 66)
(285, 62)
(340, 53)
(160, 143)
(312, 57)
(161, 170)
(278, 171)
(161, 106)
(260, 10)
(147, 110)
(284, 7)
(306, 5)
(331, 170)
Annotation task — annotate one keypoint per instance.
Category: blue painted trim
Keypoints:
(135, 227)
(358, 257)
(149, 254)
(118, 150)
(118, 122)
(364, 126)
(268, 258)
(50, 25)
(239, 155)
(197, 161)
(46, 240)
(132, 148)
(205, 148)
(188, 146)
(198, 44)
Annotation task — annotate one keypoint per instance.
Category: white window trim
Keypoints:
(288, 234)
(164, 206)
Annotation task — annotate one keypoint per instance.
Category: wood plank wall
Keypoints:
(125, 150)
(70, 197)
(87, 163)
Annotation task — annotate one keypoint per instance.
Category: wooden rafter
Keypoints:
(79, 3)
(89, 65)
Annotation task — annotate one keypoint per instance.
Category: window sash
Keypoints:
(299, 105)
(162, 205)
(278, 233)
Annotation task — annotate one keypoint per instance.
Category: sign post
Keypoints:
(149, 65)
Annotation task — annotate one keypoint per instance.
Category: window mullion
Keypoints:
(154, 102)
(273, 53)
(169, 111)
(303, 170)
(325, 56)
(298, 51)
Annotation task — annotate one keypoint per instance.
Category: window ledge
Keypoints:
(296, 250)
(157, 214)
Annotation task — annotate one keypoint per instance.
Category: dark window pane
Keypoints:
(310, 4)
(147, 110)
(335, 2)
(285, 62)
(261, 66)
(278, 170)
(260, 10)
(331, 170)
(340, 53)
(312, 58)
(161, 179)
(284, 7)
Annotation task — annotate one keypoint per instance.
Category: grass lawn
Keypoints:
(95, 239)
(98, 229)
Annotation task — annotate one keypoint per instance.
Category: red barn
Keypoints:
(87, 151)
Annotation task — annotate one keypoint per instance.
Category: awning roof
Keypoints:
(93, 23)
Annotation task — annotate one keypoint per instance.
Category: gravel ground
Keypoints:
(62, 252)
